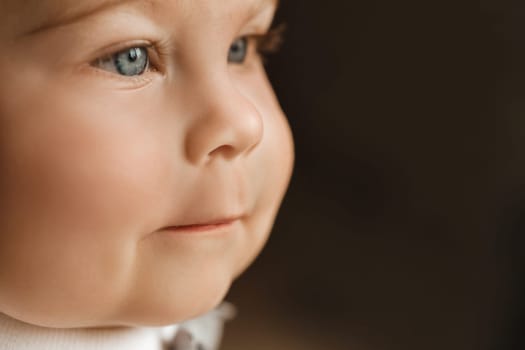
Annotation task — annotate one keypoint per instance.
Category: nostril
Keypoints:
(227, 151)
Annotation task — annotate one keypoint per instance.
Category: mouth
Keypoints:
(205, 226)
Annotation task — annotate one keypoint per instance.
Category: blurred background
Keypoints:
(402, 228)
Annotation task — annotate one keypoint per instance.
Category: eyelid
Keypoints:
(112, 50)
(156, 64)
(156, 56)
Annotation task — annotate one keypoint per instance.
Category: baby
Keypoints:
(143, 158)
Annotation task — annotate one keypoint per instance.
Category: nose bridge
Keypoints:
(225, 122)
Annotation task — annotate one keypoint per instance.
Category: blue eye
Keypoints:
(238, 51)
(130, 62)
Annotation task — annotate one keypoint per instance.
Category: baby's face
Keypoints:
(144, 157)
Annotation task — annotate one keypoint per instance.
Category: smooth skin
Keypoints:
(98, 166)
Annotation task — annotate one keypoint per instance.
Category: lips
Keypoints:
(206, 225)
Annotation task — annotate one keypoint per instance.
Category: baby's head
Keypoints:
(144, 157)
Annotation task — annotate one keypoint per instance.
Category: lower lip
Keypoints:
(209, 228)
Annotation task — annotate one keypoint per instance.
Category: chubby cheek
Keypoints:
(270, 166)
(81, 176)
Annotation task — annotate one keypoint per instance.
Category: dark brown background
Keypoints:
(401, 228)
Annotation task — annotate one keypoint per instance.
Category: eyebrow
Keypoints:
(63, 19)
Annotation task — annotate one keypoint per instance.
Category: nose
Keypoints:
(226, 124)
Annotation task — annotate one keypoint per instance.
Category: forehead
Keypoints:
(65, 5)
(37, 14)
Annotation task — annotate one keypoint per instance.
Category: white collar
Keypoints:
(16, 335)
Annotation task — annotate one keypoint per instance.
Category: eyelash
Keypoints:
(269, 42)
(265, 44)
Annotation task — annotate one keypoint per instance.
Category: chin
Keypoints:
(168, 310)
